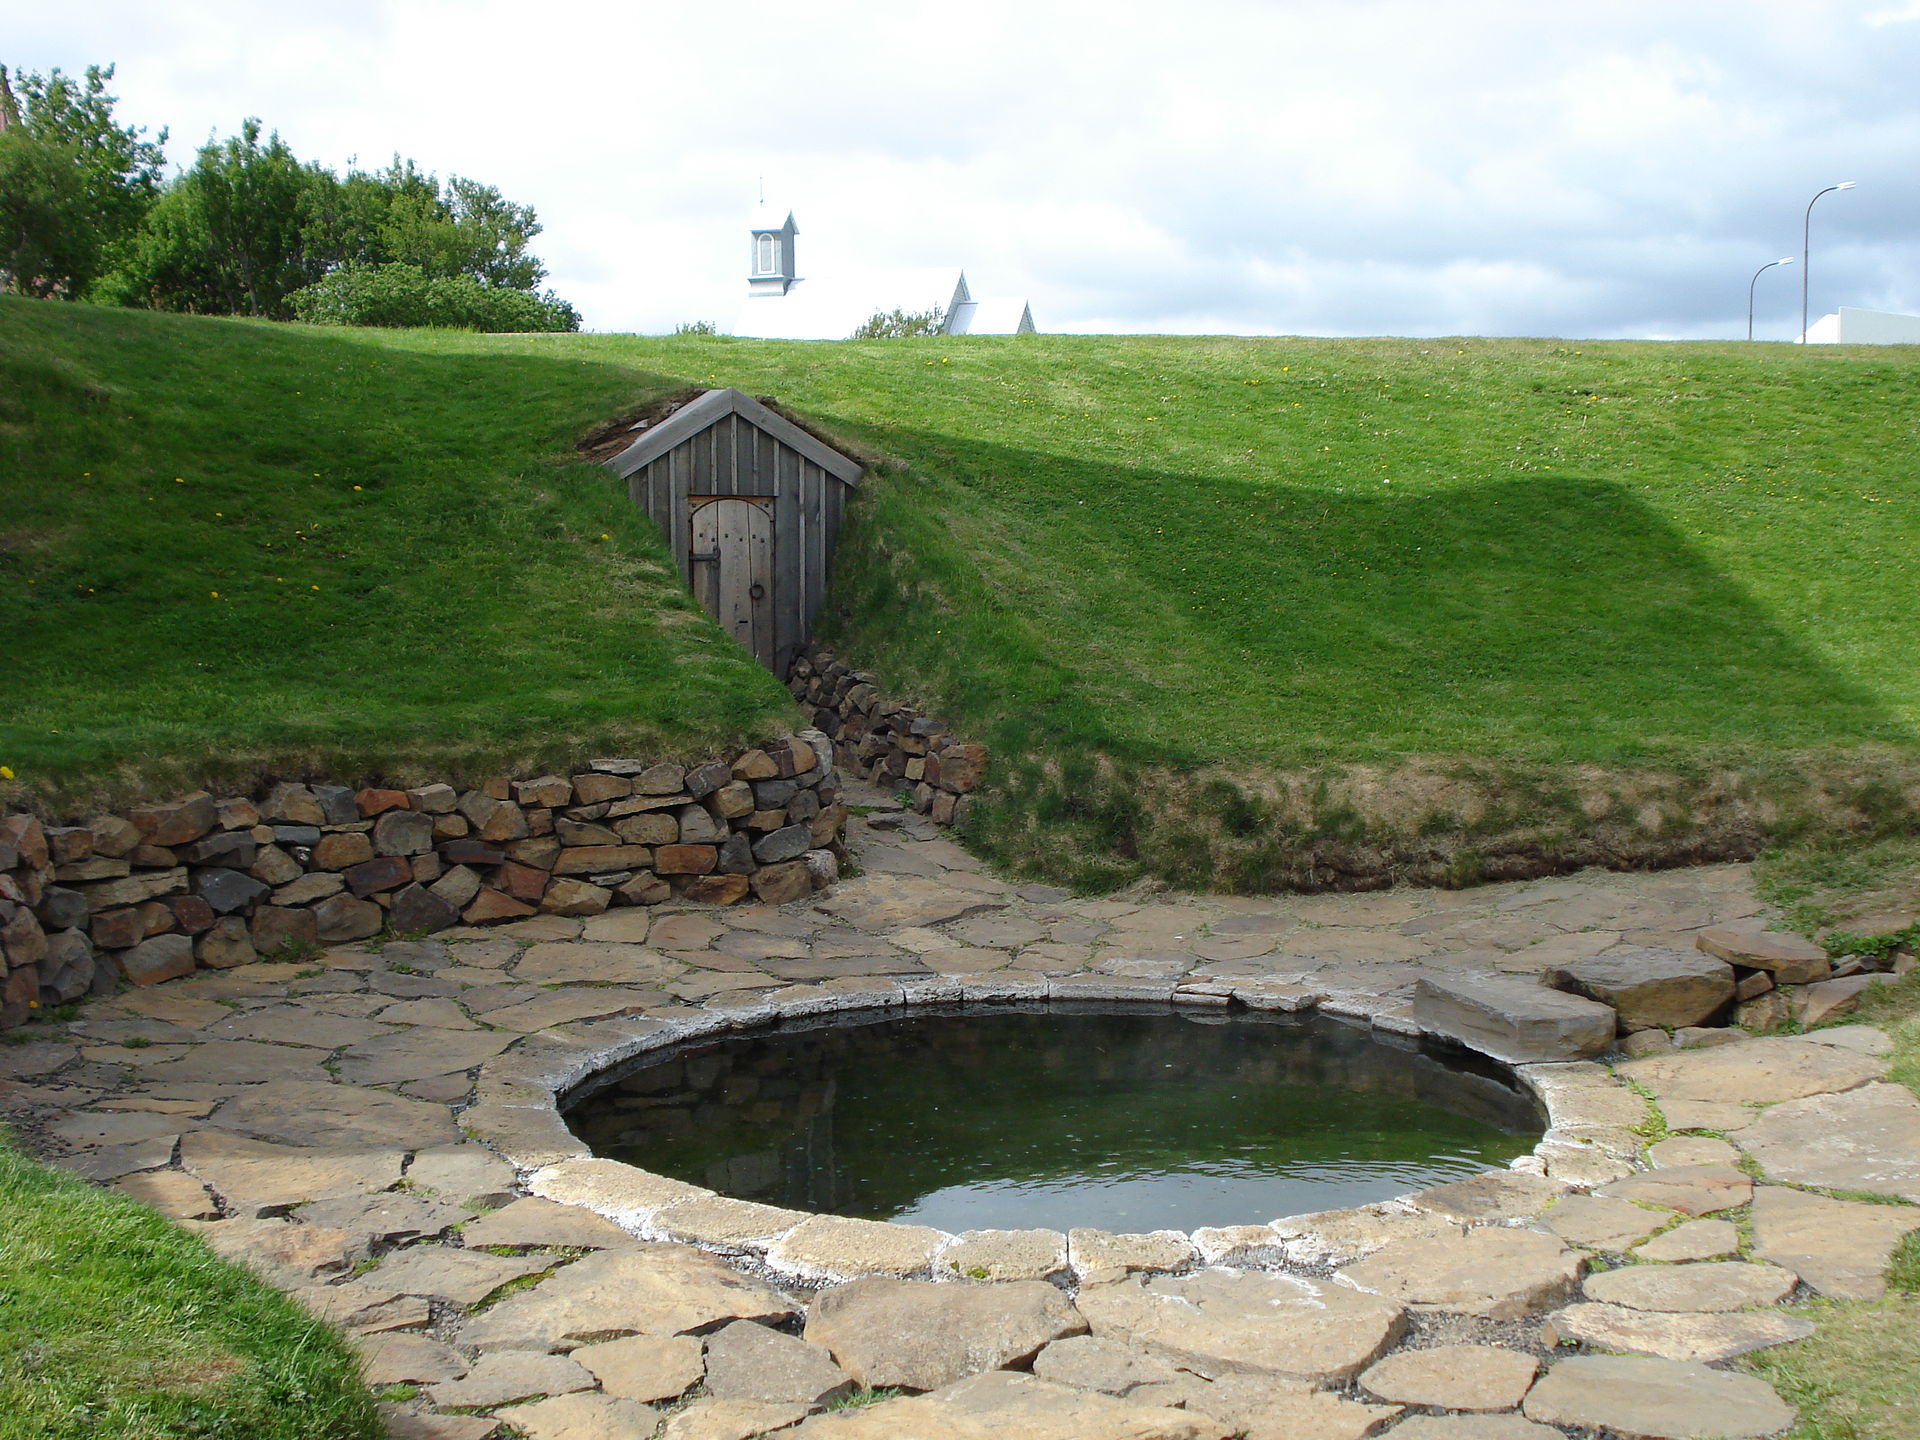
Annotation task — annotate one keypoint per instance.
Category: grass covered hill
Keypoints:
(1199, 593)
(1293, 591)
(231, 547)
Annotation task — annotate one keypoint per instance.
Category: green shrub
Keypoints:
(403, 296)
(900, 324)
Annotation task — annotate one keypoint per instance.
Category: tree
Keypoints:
(900, 324)
(229, 237)
(74, 185)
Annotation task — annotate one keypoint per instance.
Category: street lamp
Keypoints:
(1806, 236)
(1783, 260)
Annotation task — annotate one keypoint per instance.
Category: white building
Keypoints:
(783, 306)
(1848, 326)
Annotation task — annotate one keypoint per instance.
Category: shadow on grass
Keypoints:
(1195, 619)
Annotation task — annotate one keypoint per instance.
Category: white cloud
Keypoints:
(1249, 165)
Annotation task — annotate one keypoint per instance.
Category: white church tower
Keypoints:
(771, 273)
(782, 306)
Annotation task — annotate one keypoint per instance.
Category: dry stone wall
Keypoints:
(887, 741)
(204, 881)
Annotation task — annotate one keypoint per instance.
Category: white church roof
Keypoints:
(769, 216)
(996, 315)
(832, 309)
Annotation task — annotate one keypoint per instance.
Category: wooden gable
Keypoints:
(751, 505)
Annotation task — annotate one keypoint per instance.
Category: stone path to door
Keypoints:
(369, 1130)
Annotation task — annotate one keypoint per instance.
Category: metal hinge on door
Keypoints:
(710, 558)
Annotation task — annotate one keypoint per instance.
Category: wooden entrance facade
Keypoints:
(751, 505)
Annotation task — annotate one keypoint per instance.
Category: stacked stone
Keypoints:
(155, 892)
(886, 741)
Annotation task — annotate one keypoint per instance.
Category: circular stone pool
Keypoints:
(1123, 1117)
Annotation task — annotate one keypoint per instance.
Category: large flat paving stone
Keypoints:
(1326, 1236)
(1512, 1019)
(921, 1336)
(420, 1054)
(878, 904)
(746, 1361)
(1219, 1322)
(1695, 1240)
(594, 963)
(1300, 1415)
(1093, 1362)
(533, 1221)
(646, 1367)
(303, 1112)
(1453, 1377)
(659, 1290)
(1599, 1223)
(445, 1272)
(1474, 1427)
(1496, 1195)
(1706, 1287)
(834, 1248)
(1690, 1189)
(1762, 1071)
(1647, 1399)
(1866, 1139)
(250, 1173)
(238, 1062)
(1705, 1338)
(1650, 988)
(1001, 1405)
(1791, 959)
(710, 1419)
(504, 1376)
(584, 1415)
(1498, 1273)
(1839, 1247)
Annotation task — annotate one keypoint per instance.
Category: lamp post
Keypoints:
(1806, 238)
(1783, 260)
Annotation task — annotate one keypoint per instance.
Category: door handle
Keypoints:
(756, 592)
(711, 557)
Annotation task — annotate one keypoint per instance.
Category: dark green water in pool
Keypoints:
(1127, 1119)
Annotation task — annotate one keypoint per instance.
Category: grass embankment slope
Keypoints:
(230, 549)
(1307, 594)
(114, 1323)
(1224, 608)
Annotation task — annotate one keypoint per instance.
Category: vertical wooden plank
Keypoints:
(790, 552)
(718, 477)
(817, 482)
(760, 579)
(705, 540)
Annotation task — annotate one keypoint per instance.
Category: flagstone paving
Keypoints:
(373, 1129)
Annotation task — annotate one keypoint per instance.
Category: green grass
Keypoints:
(1858, 1376)
(1120, 560)
(231, 548)
(113, 1322)
(1114, 559)
(1831, 880)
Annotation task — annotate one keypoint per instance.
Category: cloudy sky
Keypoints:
(1495, 167)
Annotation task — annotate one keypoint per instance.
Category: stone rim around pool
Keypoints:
(1590, 1139)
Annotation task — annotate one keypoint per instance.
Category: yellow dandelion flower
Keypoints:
(6, 772)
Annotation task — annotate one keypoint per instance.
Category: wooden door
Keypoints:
(733, 567)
